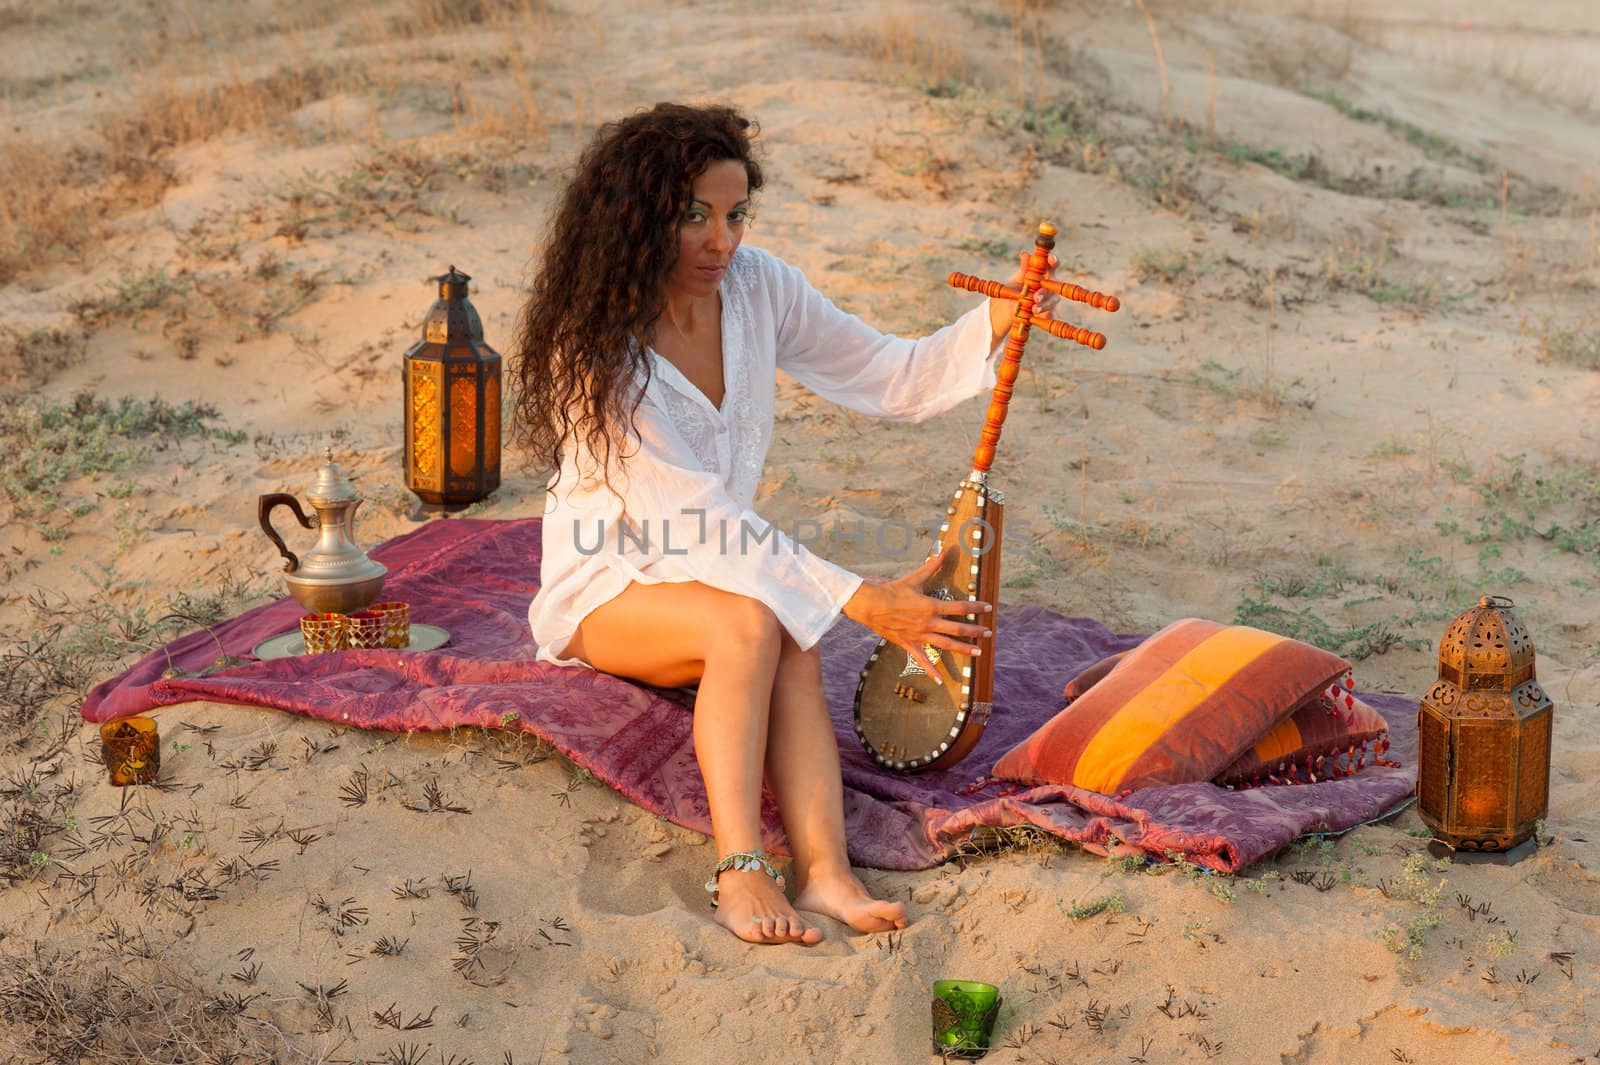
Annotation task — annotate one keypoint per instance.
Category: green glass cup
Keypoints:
(964, 1012)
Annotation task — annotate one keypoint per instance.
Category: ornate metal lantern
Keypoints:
(1483, 770)
(452, 403)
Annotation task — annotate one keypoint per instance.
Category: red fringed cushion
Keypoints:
(1091, 676)
(1179, 708)
(1330, 737)
(1326, 739)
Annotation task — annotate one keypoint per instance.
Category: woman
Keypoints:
(646, 362)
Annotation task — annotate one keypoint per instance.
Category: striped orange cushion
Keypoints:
(1178, 708)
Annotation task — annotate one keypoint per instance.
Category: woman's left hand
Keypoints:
(1003, 312)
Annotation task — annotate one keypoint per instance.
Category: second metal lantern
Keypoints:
(1483, 769)
(452, 403)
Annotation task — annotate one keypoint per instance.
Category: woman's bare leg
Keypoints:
(803, 769)
(674, 634)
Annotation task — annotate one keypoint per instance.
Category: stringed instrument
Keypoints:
(906, 720)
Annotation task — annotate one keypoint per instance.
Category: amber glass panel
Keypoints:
(1481, 777)
(1432, 740)
(463, 426)
(425, 426)
(1533, 772)
(491, 423)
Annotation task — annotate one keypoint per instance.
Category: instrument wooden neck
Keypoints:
(1011, 362)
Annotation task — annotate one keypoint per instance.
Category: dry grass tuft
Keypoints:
(69, 1007)
(1575, 345)
(44, 670)
(60, 649)
(432, 18)
(1366, 264)
(165, 114)
(31, 812)
(58, 199)
(61, 196)
(1027, 841)
(30, 359)
(206, 77)
(923, 47)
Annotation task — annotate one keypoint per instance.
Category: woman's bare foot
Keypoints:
(844, 898)
(751, 905)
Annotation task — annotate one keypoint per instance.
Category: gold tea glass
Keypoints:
(396, 623)
(363, 629)
(322, 632)
(964, 1013)
(131, 747)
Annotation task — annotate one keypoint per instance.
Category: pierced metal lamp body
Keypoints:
(452, 403)
(1483, 770)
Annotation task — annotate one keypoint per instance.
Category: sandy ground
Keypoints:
(1354, 386)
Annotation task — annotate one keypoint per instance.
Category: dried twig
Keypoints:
(436, 801)
(474, 936)
(302, 836)
(461, 887)
(353, 792)
(389, 947)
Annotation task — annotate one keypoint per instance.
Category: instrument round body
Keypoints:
(906, 721)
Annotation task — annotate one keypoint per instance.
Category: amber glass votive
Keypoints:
(131, 747)
(363, 629)
(964, 1012)
(322, 632)
(396, 623)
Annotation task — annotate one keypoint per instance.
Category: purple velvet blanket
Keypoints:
(476, 578)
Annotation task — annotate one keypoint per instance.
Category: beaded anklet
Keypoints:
(743, 861)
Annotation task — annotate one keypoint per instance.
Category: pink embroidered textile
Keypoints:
(476, 579)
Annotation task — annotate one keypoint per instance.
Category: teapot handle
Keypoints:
(264, 509)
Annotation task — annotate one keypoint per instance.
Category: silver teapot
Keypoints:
(335, 576)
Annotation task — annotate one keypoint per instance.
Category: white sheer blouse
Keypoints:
(681, 508)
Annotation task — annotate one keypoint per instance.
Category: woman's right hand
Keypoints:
(903, 614)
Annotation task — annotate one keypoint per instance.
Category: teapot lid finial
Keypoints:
(332, 486)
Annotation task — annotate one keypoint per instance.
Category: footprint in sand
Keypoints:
(629, 871)
(1397, 1034)
(1574, 888)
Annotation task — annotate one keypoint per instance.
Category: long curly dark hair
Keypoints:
(601, 284)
